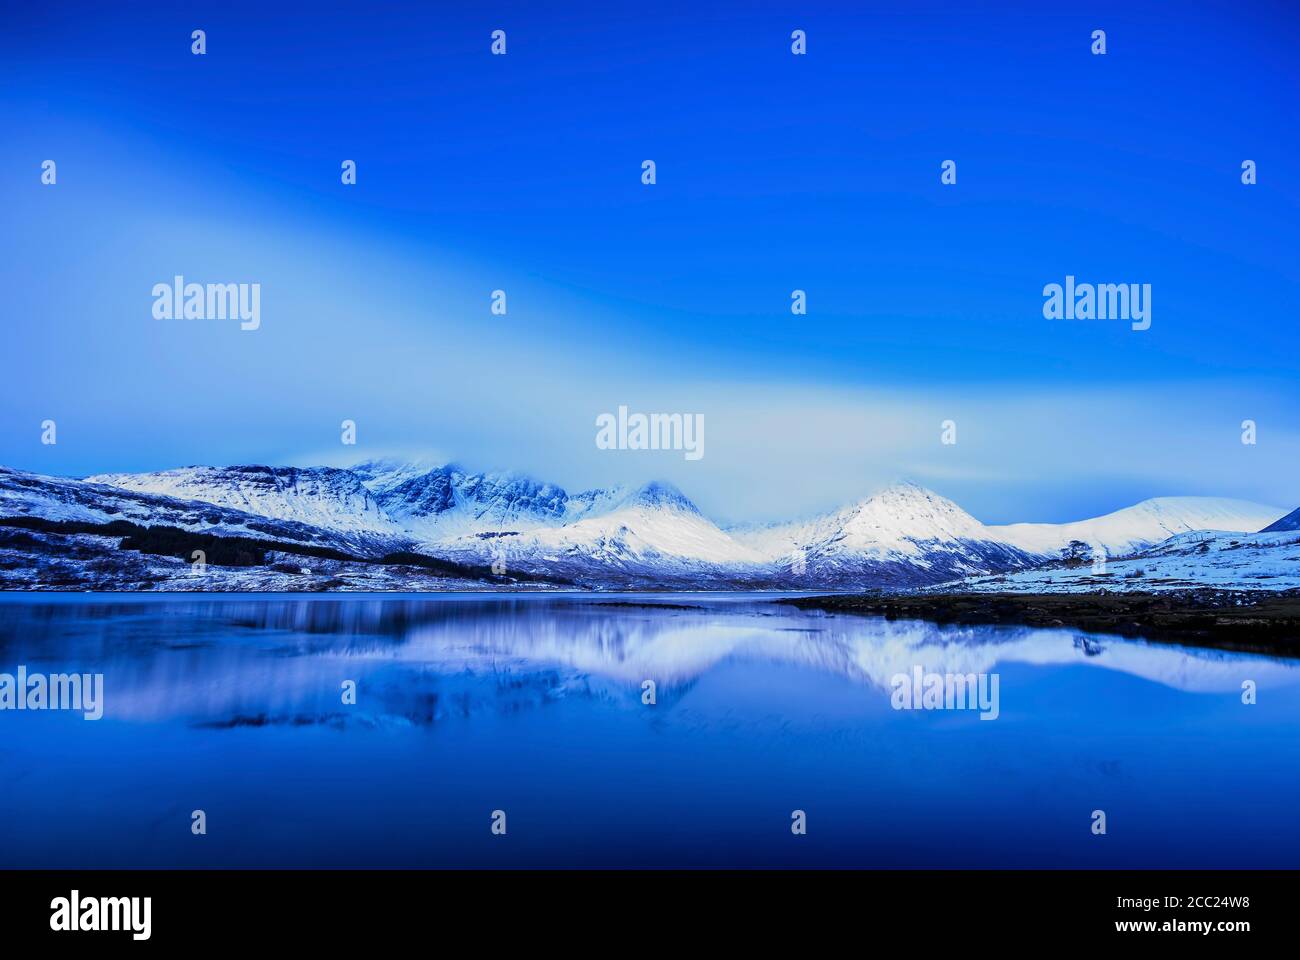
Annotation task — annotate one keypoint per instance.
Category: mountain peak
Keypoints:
(385, 473)
(904, 489)
(662, 494)
(908, 511)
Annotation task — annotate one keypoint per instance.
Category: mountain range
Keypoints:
(383, 516)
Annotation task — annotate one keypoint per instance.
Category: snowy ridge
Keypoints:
(653, 526)
(1290, 522)
(650, 534)
(1141, 525)
(60, 499)
(448, 502)
(897, 520)
(382, 475)
(904, 533)
(319, 496)
(1199, 559)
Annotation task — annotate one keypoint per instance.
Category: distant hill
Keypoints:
(1290, 522)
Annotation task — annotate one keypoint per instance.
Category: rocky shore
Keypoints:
(1254, 621)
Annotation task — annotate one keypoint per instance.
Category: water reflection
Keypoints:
(533, 704)
(224, 663)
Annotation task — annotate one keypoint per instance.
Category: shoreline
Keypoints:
(1254, 622)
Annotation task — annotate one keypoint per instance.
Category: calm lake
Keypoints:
(533, 706)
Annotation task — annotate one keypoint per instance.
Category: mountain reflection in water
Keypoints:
(468, 703)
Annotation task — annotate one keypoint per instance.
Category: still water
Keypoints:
(533, 706)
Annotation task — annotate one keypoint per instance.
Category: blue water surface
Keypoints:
(533, 705)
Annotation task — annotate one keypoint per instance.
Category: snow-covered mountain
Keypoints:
(905, 518)
(904, 531)
(63, 500)
(449, 502)
(381, 475)
(652, 531)
(320, 496)
(1187, 561)
(1140, 526)
(649, 535)
(1290, 522)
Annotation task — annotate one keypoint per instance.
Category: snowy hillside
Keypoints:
(1201, 559)
(320, 496)
(651, 535)
(905, 527)
(895, 520)
(905, 519)
(1290, 522)
(58, 499)
(380, 476)
(652, 529)
(450, 502)
(1148, 522)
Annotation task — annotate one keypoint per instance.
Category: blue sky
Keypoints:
(775, 172)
